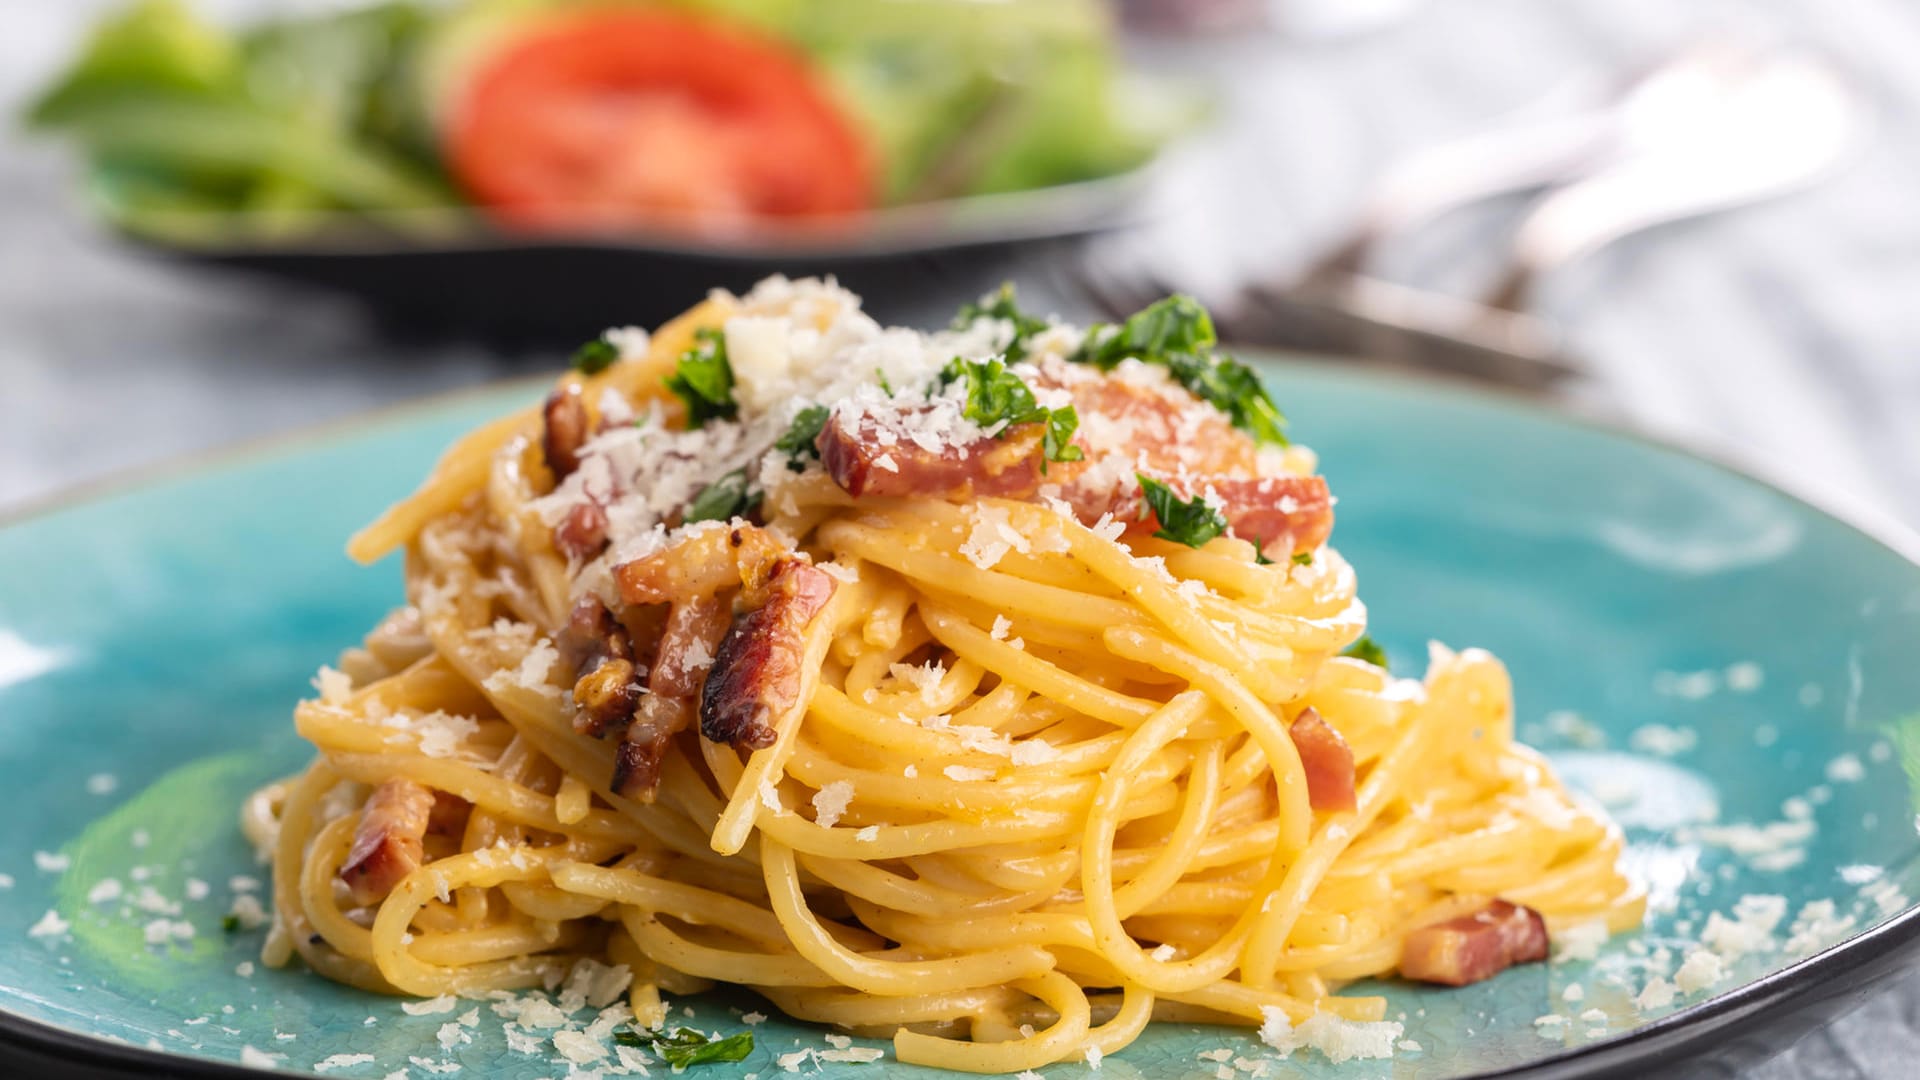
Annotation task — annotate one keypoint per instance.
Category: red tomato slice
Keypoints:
(621, 117)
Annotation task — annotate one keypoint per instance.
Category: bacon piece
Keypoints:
(1006, 467)
(600, 653)
(757, 674)
(582, 534)
(636, 764)
(387, 844)
(1475, 947)
(1281, 513)
(449, 815)
(1189, 445)
(604, 698)
(700, 565)
(566, 430)
(694, 629)
(1327, 760)
(592, 635)
(1161, 426)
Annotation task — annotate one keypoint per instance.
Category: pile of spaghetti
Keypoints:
(983, 689)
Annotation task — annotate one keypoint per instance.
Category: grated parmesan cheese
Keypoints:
(1339, 1039)
(830, 802)
(1700, 970)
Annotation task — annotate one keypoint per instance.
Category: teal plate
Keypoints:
(1725, 667)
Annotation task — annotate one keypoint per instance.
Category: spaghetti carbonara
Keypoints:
(981, 689)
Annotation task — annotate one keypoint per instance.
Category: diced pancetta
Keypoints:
(756, 676)
(388, 843)
(1327, 761)
(1475, 947)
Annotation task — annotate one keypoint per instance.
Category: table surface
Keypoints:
(1788, 331)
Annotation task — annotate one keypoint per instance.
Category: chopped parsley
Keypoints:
(997, 399)
(798, 442)
(1177, 334)
(1003, 305)
(595, 356)
(687, 1047)
(1303, 558)
(1058, 443)
(1192, 522)
(1260, 553)
(1365, 649)
(704, 379)
(722, 500)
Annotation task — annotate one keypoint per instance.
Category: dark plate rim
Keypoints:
(1056, 211)
(1877, 953)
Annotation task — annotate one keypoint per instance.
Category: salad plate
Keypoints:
(1724, 666)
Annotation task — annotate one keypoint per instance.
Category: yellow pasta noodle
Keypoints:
(1039, 783)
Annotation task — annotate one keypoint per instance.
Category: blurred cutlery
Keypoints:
(1720, 126)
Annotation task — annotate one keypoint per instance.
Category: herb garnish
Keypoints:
(722, 500)
(1177, 334)
(1365, 649)
(1303, 558)
(704, 379)
(798, 442)
(230, 924)
(595, 356)
(999, 399)
(1003, 305)
(1193, 522)
(687, 1047)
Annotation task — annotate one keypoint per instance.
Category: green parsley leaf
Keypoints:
(1192, 522)
(1260, 553)
(1303, 558)
(886, 386)
(722, 500)
(687, 1047)
(1177, 334)
(595, 356)
(798, 442)
(1003, 305)
(1365, 649)
(996, 396)
(704, 379)
(1058, 443)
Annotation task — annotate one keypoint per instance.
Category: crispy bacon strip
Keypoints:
(863, 464)
(566, 430)
(636, 763)
(600, 653)
(1328, 762)
(694, 629)
(703, 564)
(449, 815)
(1284, 514)
(388, 843)
(757, 674)
(1475, 947)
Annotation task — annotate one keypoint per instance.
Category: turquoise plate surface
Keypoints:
(1729, 670)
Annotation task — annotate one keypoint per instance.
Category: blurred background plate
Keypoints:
(550, 290)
